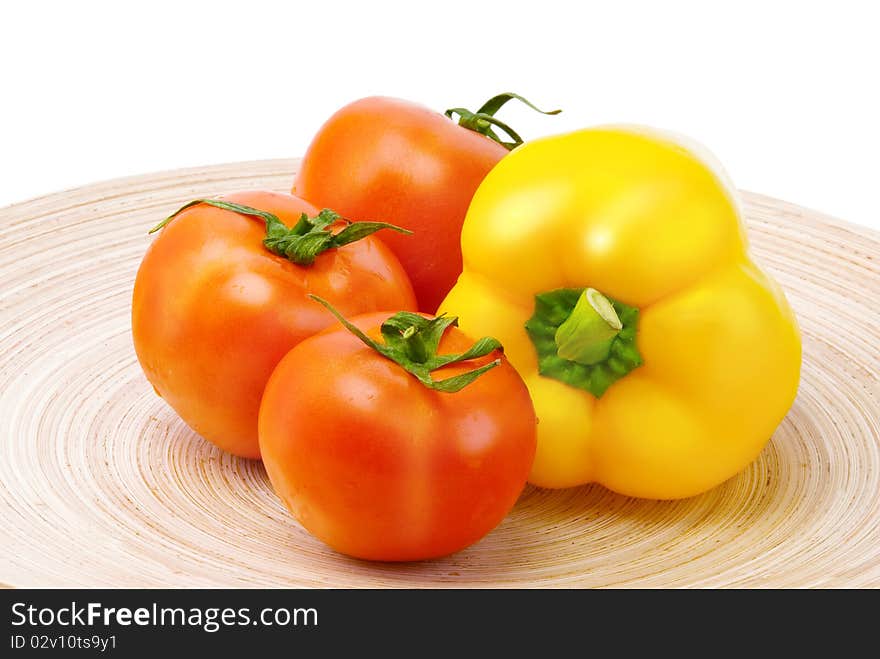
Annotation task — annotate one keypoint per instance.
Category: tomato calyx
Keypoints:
(304, 241)
(311, 235)
(411, 341)
(484, 122)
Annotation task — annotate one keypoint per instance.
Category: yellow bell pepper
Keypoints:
(612, 264)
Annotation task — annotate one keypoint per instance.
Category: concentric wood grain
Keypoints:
(102, 485)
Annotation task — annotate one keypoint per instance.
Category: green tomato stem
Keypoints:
(483, 121)
(411, 341)
(303, 242)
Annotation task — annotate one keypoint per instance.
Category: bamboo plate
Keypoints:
(102, 485)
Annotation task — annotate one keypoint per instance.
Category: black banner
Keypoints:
(131, 622)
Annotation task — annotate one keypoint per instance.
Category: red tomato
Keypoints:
(379, 466)
(394, 161)
(214, 310)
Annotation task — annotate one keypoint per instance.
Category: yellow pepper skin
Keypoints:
(713, 355)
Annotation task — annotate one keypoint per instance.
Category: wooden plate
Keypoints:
(102, 485)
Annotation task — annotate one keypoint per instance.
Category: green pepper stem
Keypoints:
(589, 322)
(586, 335)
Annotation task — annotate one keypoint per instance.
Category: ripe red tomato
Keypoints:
(214, 310)
(391, 160)
(381, 467)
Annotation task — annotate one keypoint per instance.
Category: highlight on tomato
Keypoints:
(397, 438)
(222, 295)
(394, 160)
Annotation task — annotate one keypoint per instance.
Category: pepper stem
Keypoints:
(586, 335)
(562, 353)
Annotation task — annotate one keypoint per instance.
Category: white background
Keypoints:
(787, 95)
